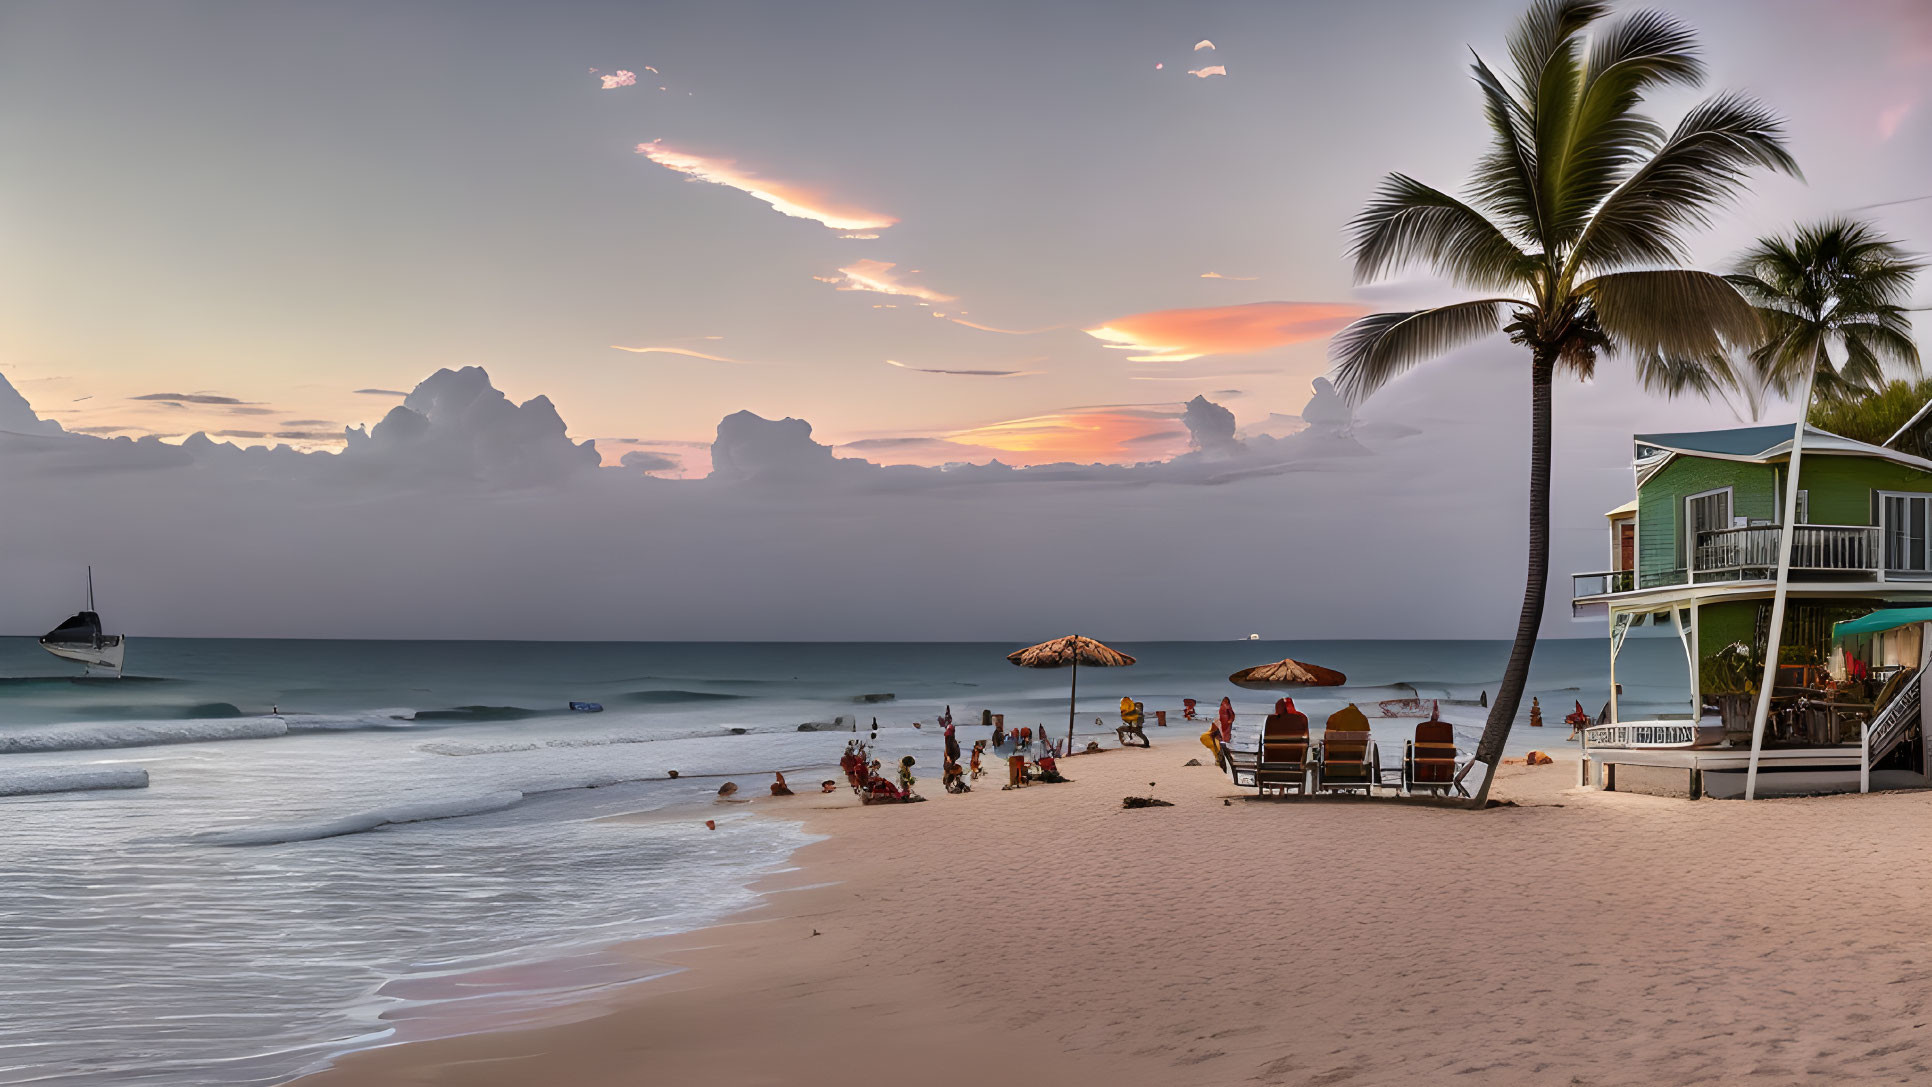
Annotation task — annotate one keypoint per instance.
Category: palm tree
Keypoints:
(1575, 227)
(1836, 283)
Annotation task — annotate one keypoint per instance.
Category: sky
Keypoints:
(1028, 233)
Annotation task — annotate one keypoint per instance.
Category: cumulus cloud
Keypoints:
(1177, 335)
(1210, 429)
(1210, 70)
(188, 398)
(879, 277)
(619, 78)
(787, 198)
(750, 448)
(456, 425)
(18, 417)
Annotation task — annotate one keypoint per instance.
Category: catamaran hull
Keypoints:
(102, 660)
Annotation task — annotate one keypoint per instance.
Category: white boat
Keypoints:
(82, 639)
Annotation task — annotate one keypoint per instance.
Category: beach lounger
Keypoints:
(1429, 762)
(1349, 758)
(1282, 763)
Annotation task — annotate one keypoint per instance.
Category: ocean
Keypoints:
(351, 843)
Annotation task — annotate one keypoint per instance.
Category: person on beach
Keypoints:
(979, 749)
(1225, 718)
(952, 741)
(778, 787)
(905, 777)
(850, 763)
(1130, 724)
(999, 735)
(1187, 709)
(953, 777)
(1016, 761)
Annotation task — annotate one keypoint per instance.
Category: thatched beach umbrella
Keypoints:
(1286, 673)
(1071, 651)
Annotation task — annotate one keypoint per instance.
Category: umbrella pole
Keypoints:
(1073, 695)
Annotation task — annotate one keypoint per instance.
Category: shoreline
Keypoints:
(1048, 937)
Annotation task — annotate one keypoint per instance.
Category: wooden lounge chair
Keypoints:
(1349, 758)
(1282, 764)
(1429, 761)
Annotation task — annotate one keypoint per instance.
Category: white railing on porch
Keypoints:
(1735, 552)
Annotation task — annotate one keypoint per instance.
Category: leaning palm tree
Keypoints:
(1832, 284)
(1574, 226)
(1836, 284)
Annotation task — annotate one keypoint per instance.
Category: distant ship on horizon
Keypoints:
(81, 638)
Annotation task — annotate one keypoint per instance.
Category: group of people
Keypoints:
(867, 776)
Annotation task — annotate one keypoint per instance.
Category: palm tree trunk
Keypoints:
(1502, 711)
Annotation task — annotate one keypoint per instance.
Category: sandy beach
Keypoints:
(1048, 936)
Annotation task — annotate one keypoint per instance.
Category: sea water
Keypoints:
(343, 844)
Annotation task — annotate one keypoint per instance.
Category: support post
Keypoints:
(1073, 695)
(1783, 586)
(1864, 756)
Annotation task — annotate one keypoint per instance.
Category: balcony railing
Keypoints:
(1744, 554)
(1732, 554)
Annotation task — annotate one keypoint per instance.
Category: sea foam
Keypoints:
(70, 779)
(359, 822)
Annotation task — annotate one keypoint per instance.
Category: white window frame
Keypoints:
(1689, 533)
(1885, 529)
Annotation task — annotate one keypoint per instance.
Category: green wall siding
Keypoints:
(1839, 489)
(1660, 503)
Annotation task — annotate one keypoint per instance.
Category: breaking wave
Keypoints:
(374, 818)
(70, 779)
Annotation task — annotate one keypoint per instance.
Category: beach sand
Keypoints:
(1046, 936)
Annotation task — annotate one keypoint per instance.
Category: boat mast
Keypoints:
(90, 588)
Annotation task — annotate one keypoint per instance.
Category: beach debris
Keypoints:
(882, 696)
(1226, 803)
(1093, 747)
(673, 775)
(587, 707)
(815, 932)
(737, 731)
(728, 788)
(711, 824)
(1147, 801)
(1536, 713)
(1537, 758)
(1192, 762)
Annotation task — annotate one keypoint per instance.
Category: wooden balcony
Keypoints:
(1850, 552)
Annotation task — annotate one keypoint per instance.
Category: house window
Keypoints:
(1706, 512)
(1904, 520)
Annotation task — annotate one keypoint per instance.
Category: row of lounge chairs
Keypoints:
(1346, 760)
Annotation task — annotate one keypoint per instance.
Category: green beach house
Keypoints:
(1697, 551)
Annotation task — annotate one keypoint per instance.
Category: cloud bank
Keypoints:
(786, 198)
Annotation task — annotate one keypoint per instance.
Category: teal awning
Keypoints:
(1884, 619)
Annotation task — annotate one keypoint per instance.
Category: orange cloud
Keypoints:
(1212, 69)
(1177, 335)
(1006, 331)
(1082, 435)
(678, 351)
(786, 198)
(1217, 275)
(878, 277)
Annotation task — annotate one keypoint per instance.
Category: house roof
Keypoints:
(1627, 507)
(1757, 445)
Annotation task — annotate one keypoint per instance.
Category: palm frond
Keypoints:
(1547, 27)
(1637, 53)
(1675, 312)
(1409, 222)
(1505, 180)
(1840, 281)
(1701, 165)
(1382, 346)
(1693, 375)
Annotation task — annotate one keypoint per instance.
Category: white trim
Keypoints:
(1689, 535)
(1884, 534)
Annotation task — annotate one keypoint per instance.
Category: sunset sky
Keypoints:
(940, 231)
(936, 233)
